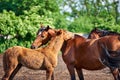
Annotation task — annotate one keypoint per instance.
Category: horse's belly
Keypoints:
(91, 65)
(94, 67)
(33, 63)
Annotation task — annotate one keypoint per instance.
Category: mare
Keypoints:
(44, 58)
(81, 53)
(97, 33)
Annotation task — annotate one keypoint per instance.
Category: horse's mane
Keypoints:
(112, 33)
(43, 28)
(105, 32)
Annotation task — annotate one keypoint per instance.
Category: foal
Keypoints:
(81, 53)
(39, 59)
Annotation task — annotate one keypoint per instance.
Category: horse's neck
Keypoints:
(51, 43)
(58, 45)
(55, 44)
(72, 43)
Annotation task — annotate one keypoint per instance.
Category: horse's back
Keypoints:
(79, 40)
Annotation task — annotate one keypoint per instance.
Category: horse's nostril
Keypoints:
(32, 47)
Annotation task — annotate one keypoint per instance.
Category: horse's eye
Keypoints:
(42, 36)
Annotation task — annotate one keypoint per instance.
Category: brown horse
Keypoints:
(97, 33)
(81, 53)
(39, 59)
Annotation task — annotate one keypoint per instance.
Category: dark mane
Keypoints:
(43, 28)
(112, 33)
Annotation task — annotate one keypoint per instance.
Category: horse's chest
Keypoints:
(53, 60)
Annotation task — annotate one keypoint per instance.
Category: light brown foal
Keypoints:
(37, 59)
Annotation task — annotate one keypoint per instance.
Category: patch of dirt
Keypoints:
(61, 73)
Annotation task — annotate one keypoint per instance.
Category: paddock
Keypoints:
(61, 73)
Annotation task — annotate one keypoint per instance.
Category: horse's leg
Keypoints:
(49, 74)
(50, 70)
(15, 71)
(8, 72)
(52, 78)
(9, 65)
(119, 74)
(71, 71)
(115, 73)
(80, 74)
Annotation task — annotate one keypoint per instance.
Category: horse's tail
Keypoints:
(5, 58)
(108, 60)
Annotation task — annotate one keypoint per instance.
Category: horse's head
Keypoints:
(44, 34)
(96, 33)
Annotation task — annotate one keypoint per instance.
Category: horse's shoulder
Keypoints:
(91, 40)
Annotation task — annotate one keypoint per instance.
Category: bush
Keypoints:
(107, 23)
(82, 24)
(21, 29)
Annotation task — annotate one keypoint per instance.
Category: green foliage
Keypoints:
(61, 22)
(22, 29)
(107, 23)
(81, 24)
(21, 19)
(21, 25)
(85, 24)
(18, 6)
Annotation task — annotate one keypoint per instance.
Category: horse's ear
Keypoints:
(59, 32)
(96, 29)
(48, 27)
